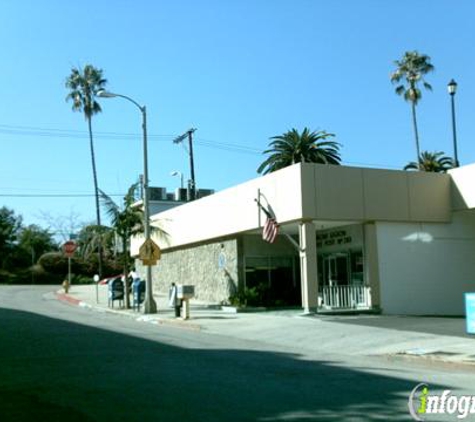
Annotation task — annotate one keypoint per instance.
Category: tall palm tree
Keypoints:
(435, 162)
(294, 147)
(83, 85)
(410, 71)
(126, 221)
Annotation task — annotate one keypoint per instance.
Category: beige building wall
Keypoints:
(407, 218)
(358, 194)
(310, 192)
(230, 211)
(425, 269)
(371, 264)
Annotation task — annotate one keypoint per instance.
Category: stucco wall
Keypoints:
(362, 194)
(200, 266)
(426, 268)
(307, 192)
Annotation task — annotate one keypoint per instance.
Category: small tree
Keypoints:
(33, 241)
(126, 222)
(10, 226)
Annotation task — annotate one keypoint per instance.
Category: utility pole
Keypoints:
(192, 182)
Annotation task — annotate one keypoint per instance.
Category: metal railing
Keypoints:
(346, 297)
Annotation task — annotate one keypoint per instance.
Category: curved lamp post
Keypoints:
(150, 307)
(178, 173)
(452, 88)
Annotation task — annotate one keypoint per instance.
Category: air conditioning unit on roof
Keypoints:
(157, 194)
(180, 194)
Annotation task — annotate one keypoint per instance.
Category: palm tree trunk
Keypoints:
(96, 191)
(416, 134)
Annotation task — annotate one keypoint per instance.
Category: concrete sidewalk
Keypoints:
(421, 338)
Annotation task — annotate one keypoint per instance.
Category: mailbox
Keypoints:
(185, 292)
(116, 290)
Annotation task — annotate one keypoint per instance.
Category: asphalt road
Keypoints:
(60, 362)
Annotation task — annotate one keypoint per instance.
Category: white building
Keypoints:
(349, 238)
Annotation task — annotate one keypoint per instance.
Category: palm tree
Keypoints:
(91, 238)
(294, 147)
(410, 71)
(83, 85)
(126, 222)
(435, 162)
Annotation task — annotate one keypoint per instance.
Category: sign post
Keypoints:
(69, 248)
(149, 253)
(96, 280)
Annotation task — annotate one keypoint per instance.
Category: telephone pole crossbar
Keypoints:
(191, 183)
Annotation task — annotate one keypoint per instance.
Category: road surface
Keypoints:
(66, 363)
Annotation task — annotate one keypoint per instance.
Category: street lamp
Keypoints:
(178, 173)
(150, 307)
(452, 88)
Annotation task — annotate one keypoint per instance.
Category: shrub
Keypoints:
(54, 262)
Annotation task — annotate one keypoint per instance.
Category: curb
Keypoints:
(68, 299)
(179, 323)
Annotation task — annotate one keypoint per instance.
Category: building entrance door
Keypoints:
(336, 269)
(342, 284)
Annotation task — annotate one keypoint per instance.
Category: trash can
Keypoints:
(470, 312)
(116, 291)
(138, 293)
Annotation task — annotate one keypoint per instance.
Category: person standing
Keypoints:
(173, 300)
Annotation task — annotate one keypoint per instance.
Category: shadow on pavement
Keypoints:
(56, 370)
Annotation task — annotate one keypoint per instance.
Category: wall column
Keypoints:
(308, 266)
(371, 263)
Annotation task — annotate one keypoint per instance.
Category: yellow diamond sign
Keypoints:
(149, 252)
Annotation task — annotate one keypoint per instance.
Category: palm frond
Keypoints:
(294, 147)
(111, 208)
(435, 162)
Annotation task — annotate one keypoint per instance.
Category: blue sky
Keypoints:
(239, 71)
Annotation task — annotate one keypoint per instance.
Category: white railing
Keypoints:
(346, 297)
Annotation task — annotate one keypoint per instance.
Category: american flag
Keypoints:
(270, 230)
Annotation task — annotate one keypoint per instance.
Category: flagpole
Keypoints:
(266, 212)
(259, 205)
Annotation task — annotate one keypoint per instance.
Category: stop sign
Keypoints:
(69, 247)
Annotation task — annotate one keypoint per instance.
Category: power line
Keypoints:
(77, 134)
(207, 143)
(65, 133)
(53, 195)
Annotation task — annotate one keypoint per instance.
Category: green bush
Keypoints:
(57, 263)
(245, 297)
(7, 277)
(54, 262)
(81, 279)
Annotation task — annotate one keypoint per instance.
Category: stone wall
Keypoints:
(212, 268)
